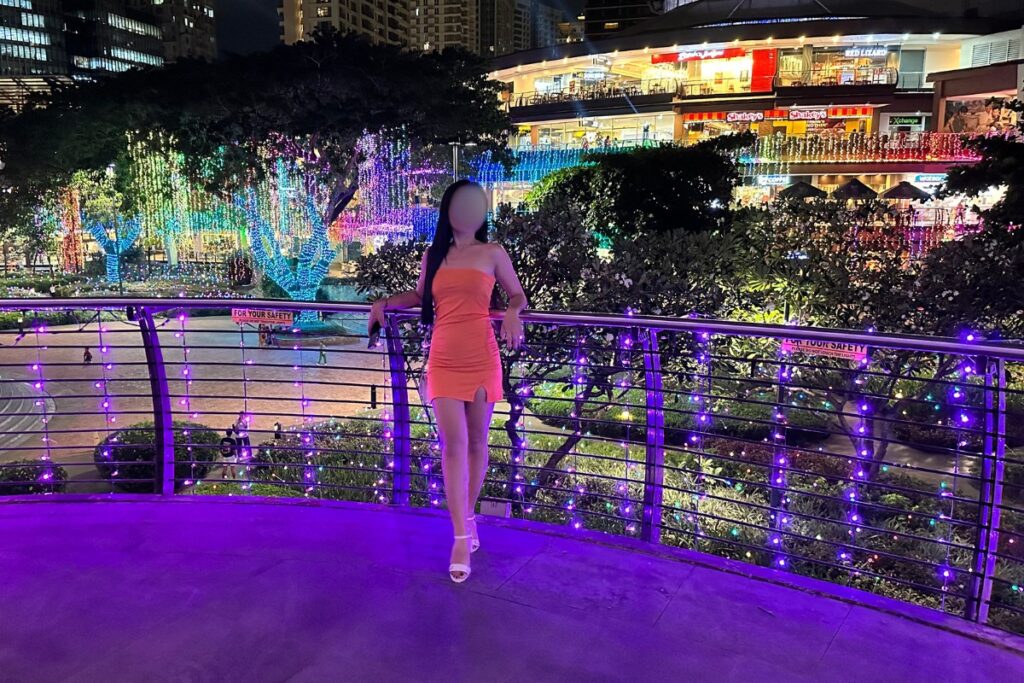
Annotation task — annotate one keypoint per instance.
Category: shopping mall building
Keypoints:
(833, 90)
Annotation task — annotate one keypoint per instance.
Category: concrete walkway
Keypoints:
(220, 590)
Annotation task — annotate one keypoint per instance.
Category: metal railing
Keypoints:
(597, 91)
(859, 76)
(893, 464)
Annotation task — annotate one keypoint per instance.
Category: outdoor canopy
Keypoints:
(906, 190)
(801, 190)
(854, 189)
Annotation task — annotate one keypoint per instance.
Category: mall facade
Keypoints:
(881, 92)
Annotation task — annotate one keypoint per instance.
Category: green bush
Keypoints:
(31, 476)
(14, 320)
(126, 456)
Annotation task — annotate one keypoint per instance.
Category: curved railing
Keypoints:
(885, 462)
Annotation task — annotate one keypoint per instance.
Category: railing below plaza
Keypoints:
(893, 464)
(859, 76)
(596, 91)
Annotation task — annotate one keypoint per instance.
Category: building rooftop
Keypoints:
(226, 589)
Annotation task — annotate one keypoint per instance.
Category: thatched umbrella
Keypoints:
(906, 190)
(801, 190)
(854, 189)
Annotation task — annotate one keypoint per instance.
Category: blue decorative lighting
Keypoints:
(114, 238)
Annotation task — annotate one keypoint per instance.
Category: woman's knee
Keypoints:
(454, 444)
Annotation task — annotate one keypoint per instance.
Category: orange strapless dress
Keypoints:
(463, 353)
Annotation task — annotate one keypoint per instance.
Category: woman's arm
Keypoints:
(406, 299)
(505, 274)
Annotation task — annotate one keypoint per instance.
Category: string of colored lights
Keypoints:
(700, 398)
(186, 399)
(45, 476)
(105, 403)
(780, 462)
(627, 506)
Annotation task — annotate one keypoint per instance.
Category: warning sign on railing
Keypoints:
(257, 316)
(845, 350)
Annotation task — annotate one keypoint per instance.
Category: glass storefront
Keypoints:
(827, 66)
(594, 133)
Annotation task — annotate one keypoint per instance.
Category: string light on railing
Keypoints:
(701, 408)
(185, 402)
(309, 471)
(780, 463)
(109, 418)
(520, 447)
(45, 475)
(627, 507)
(243, 449)
(579, 383)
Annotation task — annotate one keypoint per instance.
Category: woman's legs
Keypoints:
(478, 425)
(451, 424)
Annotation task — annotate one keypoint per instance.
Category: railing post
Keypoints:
(654, 461)
(163, 427)
(991, 497)
(401, 478)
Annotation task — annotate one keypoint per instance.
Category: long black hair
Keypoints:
(438, 249)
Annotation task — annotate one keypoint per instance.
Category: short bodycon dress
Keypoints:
(463, 353)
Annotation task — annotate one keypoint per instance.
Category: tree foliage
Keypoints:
(654, 189)
(311, 99)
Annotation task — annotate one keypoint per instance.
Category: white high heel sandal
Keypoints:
(459, 567)
(474, 545)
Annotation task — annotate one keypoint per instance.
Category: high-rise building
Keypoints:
(536, 25)
(438, 24)
(103, 36)
(382, 21)
(31, 38)
(606, 18)
(546, 19)
(498, 25)
(188, 26)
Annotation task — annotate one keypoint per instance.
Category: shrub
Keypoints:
(126, 456)
(27, 476)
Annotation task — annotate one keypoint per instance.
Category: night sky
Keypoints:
(245, 26)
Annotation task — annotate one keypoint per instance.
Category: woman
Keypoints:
(457, 276)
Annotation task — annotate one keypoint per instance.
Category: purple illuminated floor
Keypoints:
(210, 590)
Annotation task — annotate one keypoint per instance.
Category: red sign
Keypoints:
(762, 76)
(844, 350)
(257, 315)
(698, 54)
(808, 114)
(744, 116)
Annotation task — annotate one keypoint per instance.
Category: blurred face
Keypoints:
(468, 209)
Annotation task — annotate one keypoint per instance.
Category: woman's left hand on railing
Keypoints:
(512, 329)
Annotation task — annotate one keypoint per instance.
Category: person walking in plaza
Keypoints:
(463, 371)
(243, 445)
(322, 359)
(229, 453)
(86, 356)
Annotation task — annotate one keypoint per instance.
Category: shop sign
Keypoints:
(261, 316)
(904, 120)
(698, 54)
(774, 179)
(865, 52)
(930, 178)
(808, 114)
(844, 350)
(744, 116)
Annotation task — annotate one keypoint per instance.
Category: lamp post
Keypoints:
(455, 156)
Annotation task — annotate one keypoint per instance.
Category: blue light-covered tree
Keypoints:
(115, 238)
(290, 210)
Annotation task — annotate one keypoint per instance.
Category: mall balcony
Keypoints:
(667, 499)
